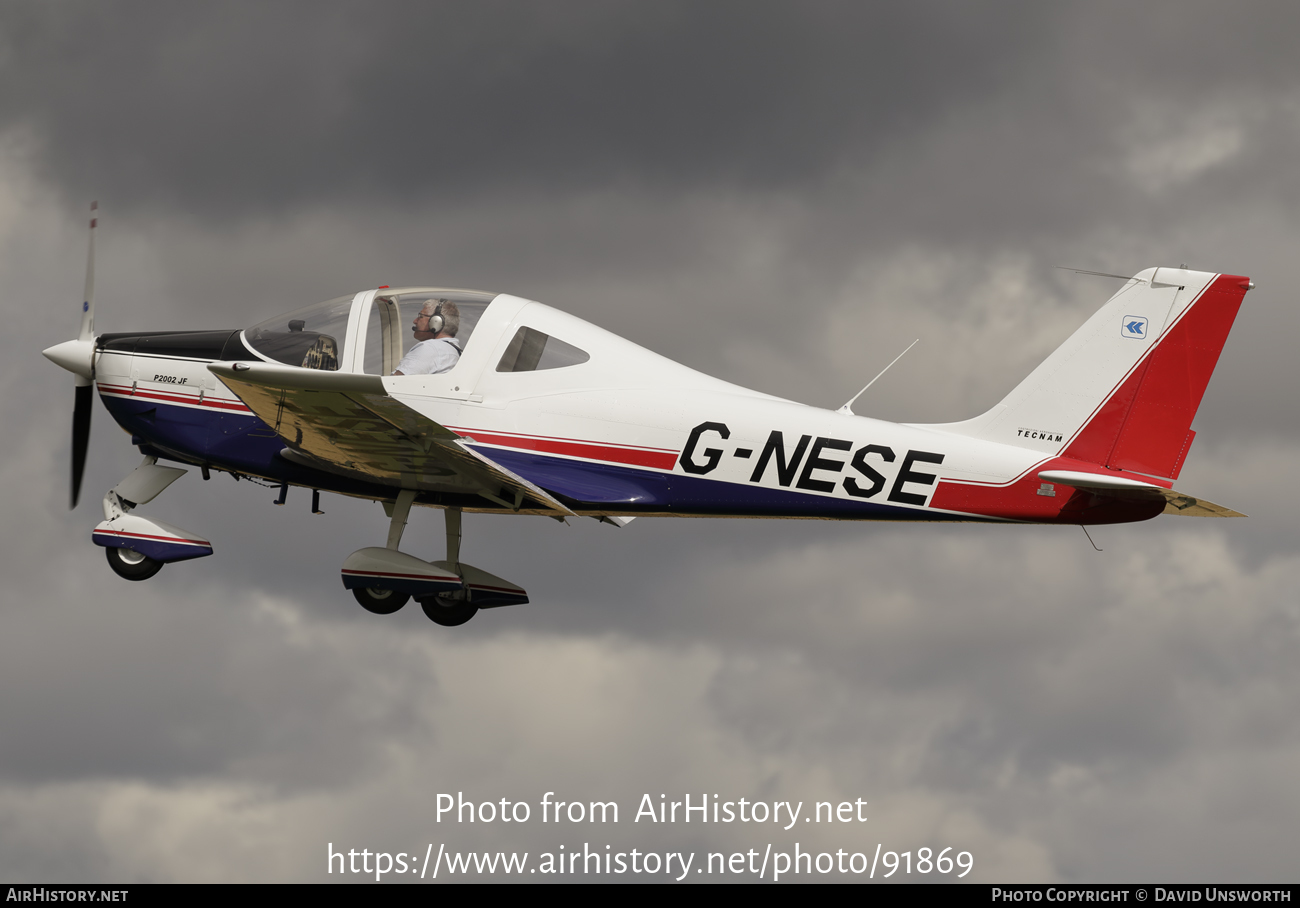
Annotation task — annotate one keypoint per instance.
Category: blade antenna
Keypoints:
(1121, 277)
(847, 409)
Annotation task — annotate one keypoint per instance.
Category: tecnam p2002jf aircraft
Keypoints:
(544, 413)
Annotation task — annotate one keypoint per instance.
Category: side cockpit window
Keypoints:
(532, 351)
(420, 331)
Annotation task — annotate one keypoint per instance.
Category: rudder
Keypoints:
(1122, 390)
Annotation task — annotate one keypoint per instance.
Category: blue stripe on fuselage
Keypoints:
(605, 487)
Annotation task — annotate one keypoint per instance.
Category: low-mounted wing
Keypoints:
(348, 422)
(1121, 487)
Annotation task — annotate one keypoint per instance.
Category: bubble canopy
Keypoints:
(363, 332)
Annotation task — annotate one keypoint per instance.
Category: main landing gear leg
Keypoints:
(401, 510)
(384, 579)
(455, 608)
(453, 535)
(376, 599)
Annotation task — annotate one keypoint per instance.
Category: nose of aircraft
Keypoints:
(76, 356)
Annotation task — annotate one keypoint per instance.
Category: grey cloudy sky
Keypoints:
(781, 194)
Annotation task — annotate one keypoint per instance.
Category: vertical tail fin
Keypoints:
(1123, 389)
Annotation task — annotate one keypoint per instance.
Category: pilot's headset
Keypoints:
(436, 320)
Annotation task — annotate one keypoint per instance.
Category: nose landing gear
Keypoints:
(137, 547)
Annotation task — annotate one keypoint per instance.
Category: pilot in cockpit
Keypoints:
(437, 348)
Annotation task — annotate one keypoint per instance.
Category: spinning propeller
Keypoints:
(78, 357)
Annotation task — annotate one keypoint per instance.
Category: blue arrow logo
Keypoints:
(1134, 326)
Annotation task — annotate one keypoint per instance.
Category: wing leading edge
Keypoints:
(346, 422)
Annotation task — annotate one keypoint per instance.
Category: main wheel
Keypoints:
(443, 609)
(381, 602)
(131, 565)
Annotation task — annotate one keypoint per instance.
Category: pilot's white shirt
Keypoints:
(431, 356)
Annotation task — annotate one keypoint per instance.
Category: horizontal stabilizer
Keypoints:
(1120, 487)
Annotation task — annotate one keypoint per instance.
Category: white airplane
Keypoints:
(544, 413)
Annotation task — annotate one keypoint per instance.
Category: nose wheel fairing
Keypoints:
(152, 539)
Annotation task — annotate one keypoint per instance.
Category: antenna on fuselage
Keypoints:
(1121, 277)
(847, 409)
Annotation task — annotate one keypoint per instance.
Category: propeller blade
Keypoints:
(85, 399)
(80, 435)
(87, 331)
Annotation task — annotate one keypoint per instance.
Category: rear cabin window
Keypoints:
(532, 351)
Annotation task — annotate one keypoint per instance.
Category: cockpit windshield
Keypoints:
(316, 337)
(311, 337)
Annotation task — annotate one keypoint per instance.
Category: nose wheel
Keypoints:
(131, 565)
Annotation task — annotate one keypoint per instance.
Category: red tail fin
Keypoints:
(1145, 423)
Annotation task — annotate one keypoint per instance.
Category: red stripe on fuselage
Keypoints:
(656, 458)
(174, 397)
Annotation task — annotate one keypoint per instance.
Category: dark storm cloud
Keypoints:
(223, 109)
(273, 104)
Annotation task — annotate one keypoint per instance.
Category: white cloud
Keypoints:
(1168, 146)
